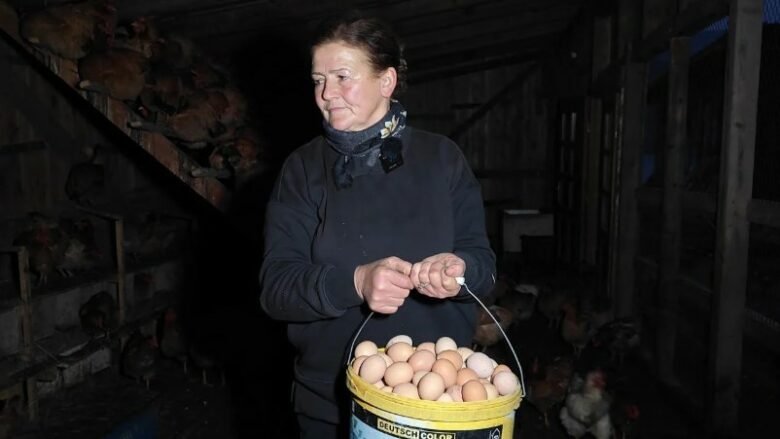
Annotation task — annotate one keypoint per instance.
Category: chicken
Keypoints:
(120, 73)
(549, 303)
(172, 338)
(487, 333)
(70, 30)
(520, 300)
(574, 329)
(98, 314)
(86, 180)
(549, 389)
(587, 407)
(140, 358)
(619, 337)
(205, 361)
(41, 239)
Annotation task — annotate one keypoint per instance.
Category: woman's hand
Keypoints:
(384, 284)
(435, 275)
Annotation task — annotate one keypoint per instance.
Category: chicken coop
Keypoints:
(626, 152)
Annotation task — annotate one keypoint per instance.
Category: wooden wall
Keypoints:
(499, 118)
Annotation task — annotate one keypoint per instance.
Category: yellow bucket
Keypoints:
(378, 414)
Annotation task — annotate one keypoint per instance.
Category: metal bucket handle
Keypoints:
(462, 282)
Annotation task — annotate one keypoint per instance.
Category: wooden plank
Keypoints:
(121, 301)
(743, 61)
(676, 142)
(764, 212)
(502, 94)
(22, 147)
(687, 22)
(591, 159)
(625, 228)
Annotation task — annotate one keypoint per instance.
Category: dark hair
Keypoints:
(371, 35)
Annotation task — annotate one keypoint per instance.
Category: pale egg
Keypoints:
(357, 362)
(418, 376)
(506, 383)
(366, 348)
(427, 346)
(404, 338)
(445, 397)
(492, 392)
(501, 368)
(445, 344)
(388, 360)
(481, 364)
(464, 352)
(456, 392)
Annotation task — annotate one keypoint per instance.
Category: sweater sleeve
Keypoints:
(471, 242)
(293, 288)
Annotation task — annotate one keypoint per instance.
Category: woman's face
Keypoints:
(349, 93)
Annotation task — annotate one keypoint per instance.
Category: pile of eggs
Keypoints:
(439, 371)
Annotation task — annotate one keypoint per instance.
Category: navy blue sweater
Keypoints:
(316, 235)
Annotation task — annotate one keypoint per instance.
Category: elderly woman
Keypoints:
(373, 215)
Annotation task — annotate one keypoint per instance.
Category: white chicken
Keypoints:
(587, 407)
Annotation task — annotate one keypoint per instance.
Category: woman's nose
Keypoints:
(329, 91)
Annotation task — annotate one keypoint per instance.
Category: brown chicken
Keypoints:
(549, 303)
(120, 73)
(70, 30)
(487, 333)
(574, 329)
(549, 389)
(172, 340)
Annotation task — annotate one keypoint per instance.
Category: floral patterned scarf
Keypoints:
(361, 150)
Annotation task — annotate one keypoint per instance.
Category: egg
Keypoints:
(357, 362)
(481, 364)
(418, 376)
(365, 347)
(464, 352)
(388, 360)
(453, 356)
(501, 368)
(422, 360)
(492, 392)
(445, 397)
(473, 391)
(373, 368)
(379, 384)
(431, 386)
(400, 351)
(445, 344)
(427, 346)
(465, 375)
(408, 390)
(506, 383)
(404, 338)
(456, 392)
(446, 370)
(398, 373)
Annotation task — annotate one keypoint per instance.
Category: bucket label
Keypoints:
(367, 425)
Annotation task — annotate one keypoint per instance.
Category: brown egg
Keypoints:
(453, 356)
(427, 346)
(408, 390)
(431, 386)
(373, 368)
(398, 373)
(465, 375)
(446, 370)
(400, 351)
(501, 368)
(357, 362)
(365, 347)
(506, 383)
(422, 360)
(474, 391)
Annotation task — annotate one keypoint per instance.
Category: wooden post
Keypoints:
(676, 139)
(624, 228)
(743, 63)
(119, 240)
(28, 341)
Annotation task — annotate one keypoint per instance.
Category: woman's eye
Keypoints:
(343, 77)
(317, 81)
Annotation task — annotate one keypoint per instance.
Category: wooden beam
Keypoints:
(687, 22)
(492, 102)
(676, 142)
(743, 61)
(764, 212)
(22, 147)
(625, 228)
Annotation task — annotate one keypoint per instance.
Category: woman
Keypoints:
(372, 216)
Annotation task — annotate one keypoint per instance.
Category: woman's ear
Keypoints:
(389, 79)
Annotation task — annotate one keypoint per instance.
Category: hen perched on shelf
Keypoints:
(98, 315)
